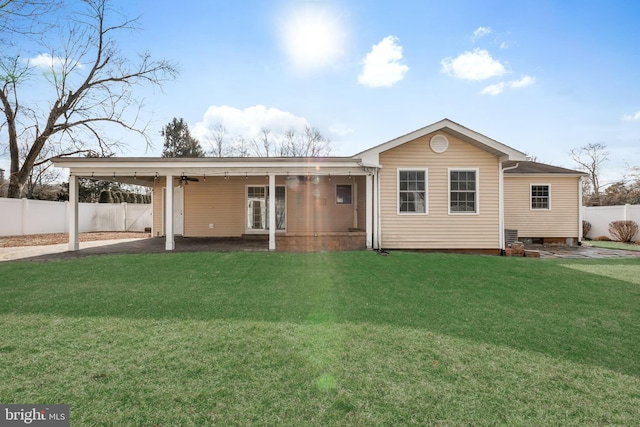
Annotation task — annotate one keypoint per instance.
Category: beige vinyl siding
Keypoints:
(439, 229)
(157, 207)
(311, 206)
(219, 202)
(559, 221)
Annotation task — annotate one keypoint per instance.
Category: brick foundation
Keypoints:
(321, 242)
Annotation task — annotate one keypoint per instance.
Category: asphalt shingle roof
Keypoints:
(541, 168)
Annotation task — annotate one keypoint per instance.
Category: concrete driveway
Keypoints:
(130, 246)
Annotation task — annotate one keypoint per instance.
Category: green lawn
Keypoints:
(614, 245)
(344, 339)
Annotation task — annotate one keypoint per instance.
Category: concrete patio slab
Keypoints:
(204, 244)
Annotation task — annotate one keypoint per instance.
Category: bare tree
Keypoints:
(590, 159)
(310, 143)
(262, 145)
(42, 175)
(241, 147)
(218, 141)
(25, 18)
(92, 86)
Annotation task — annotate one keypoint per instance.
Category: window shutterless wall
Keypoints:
(559, 221)
(439, 229)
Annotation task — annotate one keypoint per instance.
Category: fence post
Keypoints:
(24, 211)
(124, 217)
(626, 212)
(66, 216)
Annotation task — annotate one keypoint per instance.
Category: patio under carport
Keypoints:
(149, 171)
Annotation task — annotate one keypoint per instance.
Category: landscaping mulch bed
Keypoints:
(56, 238)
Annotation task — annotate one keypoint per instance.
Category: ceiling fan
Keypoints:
(184, 179)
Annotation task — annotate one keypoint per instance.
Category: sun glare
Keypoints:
(313, 36)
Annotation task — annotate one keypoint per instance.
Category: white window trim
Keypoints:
(531, 208)
(463, 169)
(265, 231)
(426, 190)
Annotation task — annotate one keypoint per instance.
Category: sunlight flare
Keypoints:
(312, 36)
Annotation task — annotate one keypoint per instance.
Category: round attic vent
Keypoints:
(439, 144)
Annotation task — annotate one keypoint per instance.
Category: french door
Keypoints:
(258, 208)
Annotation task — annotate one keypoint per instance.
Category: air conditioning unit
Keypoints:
(510, 236)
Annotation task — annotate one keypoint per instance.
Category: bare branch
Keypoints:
(93, 86)
(590, 159)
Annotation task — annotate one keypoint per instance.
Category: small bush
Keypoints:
(602, 239)
(623, 231)
(105, 197)
(586, 228)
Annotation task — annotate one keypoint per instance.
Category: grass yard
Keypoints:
(332, 339)
(614, 245)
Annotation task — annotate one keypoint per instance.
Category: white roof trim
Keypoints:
(142, 170)
(472, 137)
(204, 162)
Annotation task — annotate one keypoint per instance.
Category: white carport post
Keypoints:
(74, 244)
(170, 243)
(369, 211)
(272, 212)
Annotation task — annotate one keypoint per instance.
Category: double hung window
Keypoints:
(463, 191)
(540, 196)
(412, 191)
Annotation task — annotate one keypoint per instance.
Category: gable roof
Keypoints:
(470, 136)
(535, 168)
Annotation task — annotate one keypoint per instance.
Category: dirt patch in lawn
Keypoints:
(56, 238)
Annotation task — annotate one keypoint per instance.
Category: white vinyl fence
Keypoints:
(24, 216)
(601, 216)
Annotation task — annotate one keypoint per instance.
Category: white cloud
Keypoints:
(631, 117)
(247, 123)
(476, 65)
(523, 82)
(313, 36)
(382, 65)
(494, 89)
(44, 60)
(498, 88)
(480, 33)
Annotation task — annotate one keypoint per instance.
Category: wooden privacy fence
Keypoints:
(24, 216)
(601, 216)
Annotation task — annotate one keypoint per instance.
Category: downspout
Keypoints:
(580, 209)
(503, 244)
(378, 222)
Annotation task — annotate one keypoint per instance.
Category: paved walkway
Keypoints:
(201, 244)
(581, 252)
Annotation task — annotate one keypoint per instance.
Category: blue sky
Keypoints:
(540, 76)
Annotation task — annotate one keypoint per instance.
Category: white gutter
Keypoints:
(503, 244)
(378, 221)
(580, 209)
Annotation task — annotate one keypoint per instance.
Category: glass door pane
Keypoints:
(258, 208)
